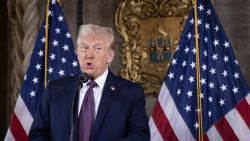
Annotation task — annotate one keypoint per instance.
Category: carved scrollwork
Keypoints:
(150, 30)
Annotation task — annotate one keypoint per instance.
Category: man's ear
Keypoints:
(110, 56)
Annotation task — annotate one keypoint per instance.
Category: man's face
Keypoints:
(94, 55)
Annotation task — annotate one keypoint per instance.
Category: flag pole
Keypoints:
(46, 44)
(198, 90)
(59, 2)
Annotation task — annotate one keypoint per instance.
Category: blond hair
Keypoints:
(88, 29)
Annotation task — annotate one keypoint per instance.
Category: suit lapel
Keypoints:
(71, 96)
(71, 92)
(109, 93)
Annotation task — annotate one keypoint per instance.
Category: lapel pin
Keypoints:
(112, 88)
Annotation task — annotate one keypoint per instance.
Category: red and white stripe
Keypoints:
(167, 124)
(20, 123)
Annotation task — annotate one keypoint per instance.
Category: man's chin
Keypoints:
(89, 73)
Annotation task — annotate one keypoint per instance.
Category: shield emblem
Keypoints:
(159, 49)
(150, 31)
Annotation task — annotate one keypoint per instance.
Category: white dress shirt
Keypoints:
(100, 81)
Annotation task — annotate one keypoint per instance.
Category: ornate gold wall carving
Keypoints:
(150, 30)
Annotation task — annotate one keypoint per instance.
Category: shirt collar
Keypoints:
(100, 80)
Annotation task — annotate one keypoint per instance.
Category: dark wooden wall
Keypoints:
(3, 65)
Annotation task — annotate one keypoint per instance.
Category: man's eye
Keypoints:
(85, 47)
(98, 48)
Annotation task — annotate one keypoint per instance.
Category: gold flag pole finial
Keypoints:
(59, 2)
(198, 90)
(213, 2)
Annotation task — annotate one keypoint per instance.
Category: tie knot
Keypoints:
(92, 84)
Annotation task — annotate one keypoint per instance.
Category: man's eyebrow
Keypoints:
(97, 44)
(83, 44)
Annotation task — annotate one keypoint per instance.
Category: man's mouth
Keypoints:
(89, 65)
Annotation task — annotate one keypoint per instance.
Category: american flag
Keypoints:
(62, 62)
(224, 91)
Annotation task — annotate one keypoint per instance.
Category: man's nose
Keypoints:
(90, 53)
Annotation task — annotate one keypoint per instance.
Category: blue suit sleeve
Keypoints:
(138, 120)
(40, 129)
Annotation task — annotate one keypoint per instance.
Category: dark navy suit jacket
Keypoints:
(121, 114)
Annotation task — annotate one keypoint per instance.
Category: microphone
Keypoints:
(83, 77)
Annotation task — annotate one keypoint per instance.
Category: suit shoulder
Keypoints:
(63, 81)
(128, 83)
(125, 81)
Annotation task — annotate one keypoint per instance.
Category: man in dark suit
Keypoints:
(112, 109)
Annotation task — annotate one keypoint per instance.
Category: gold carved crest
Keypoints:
(151, 30)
